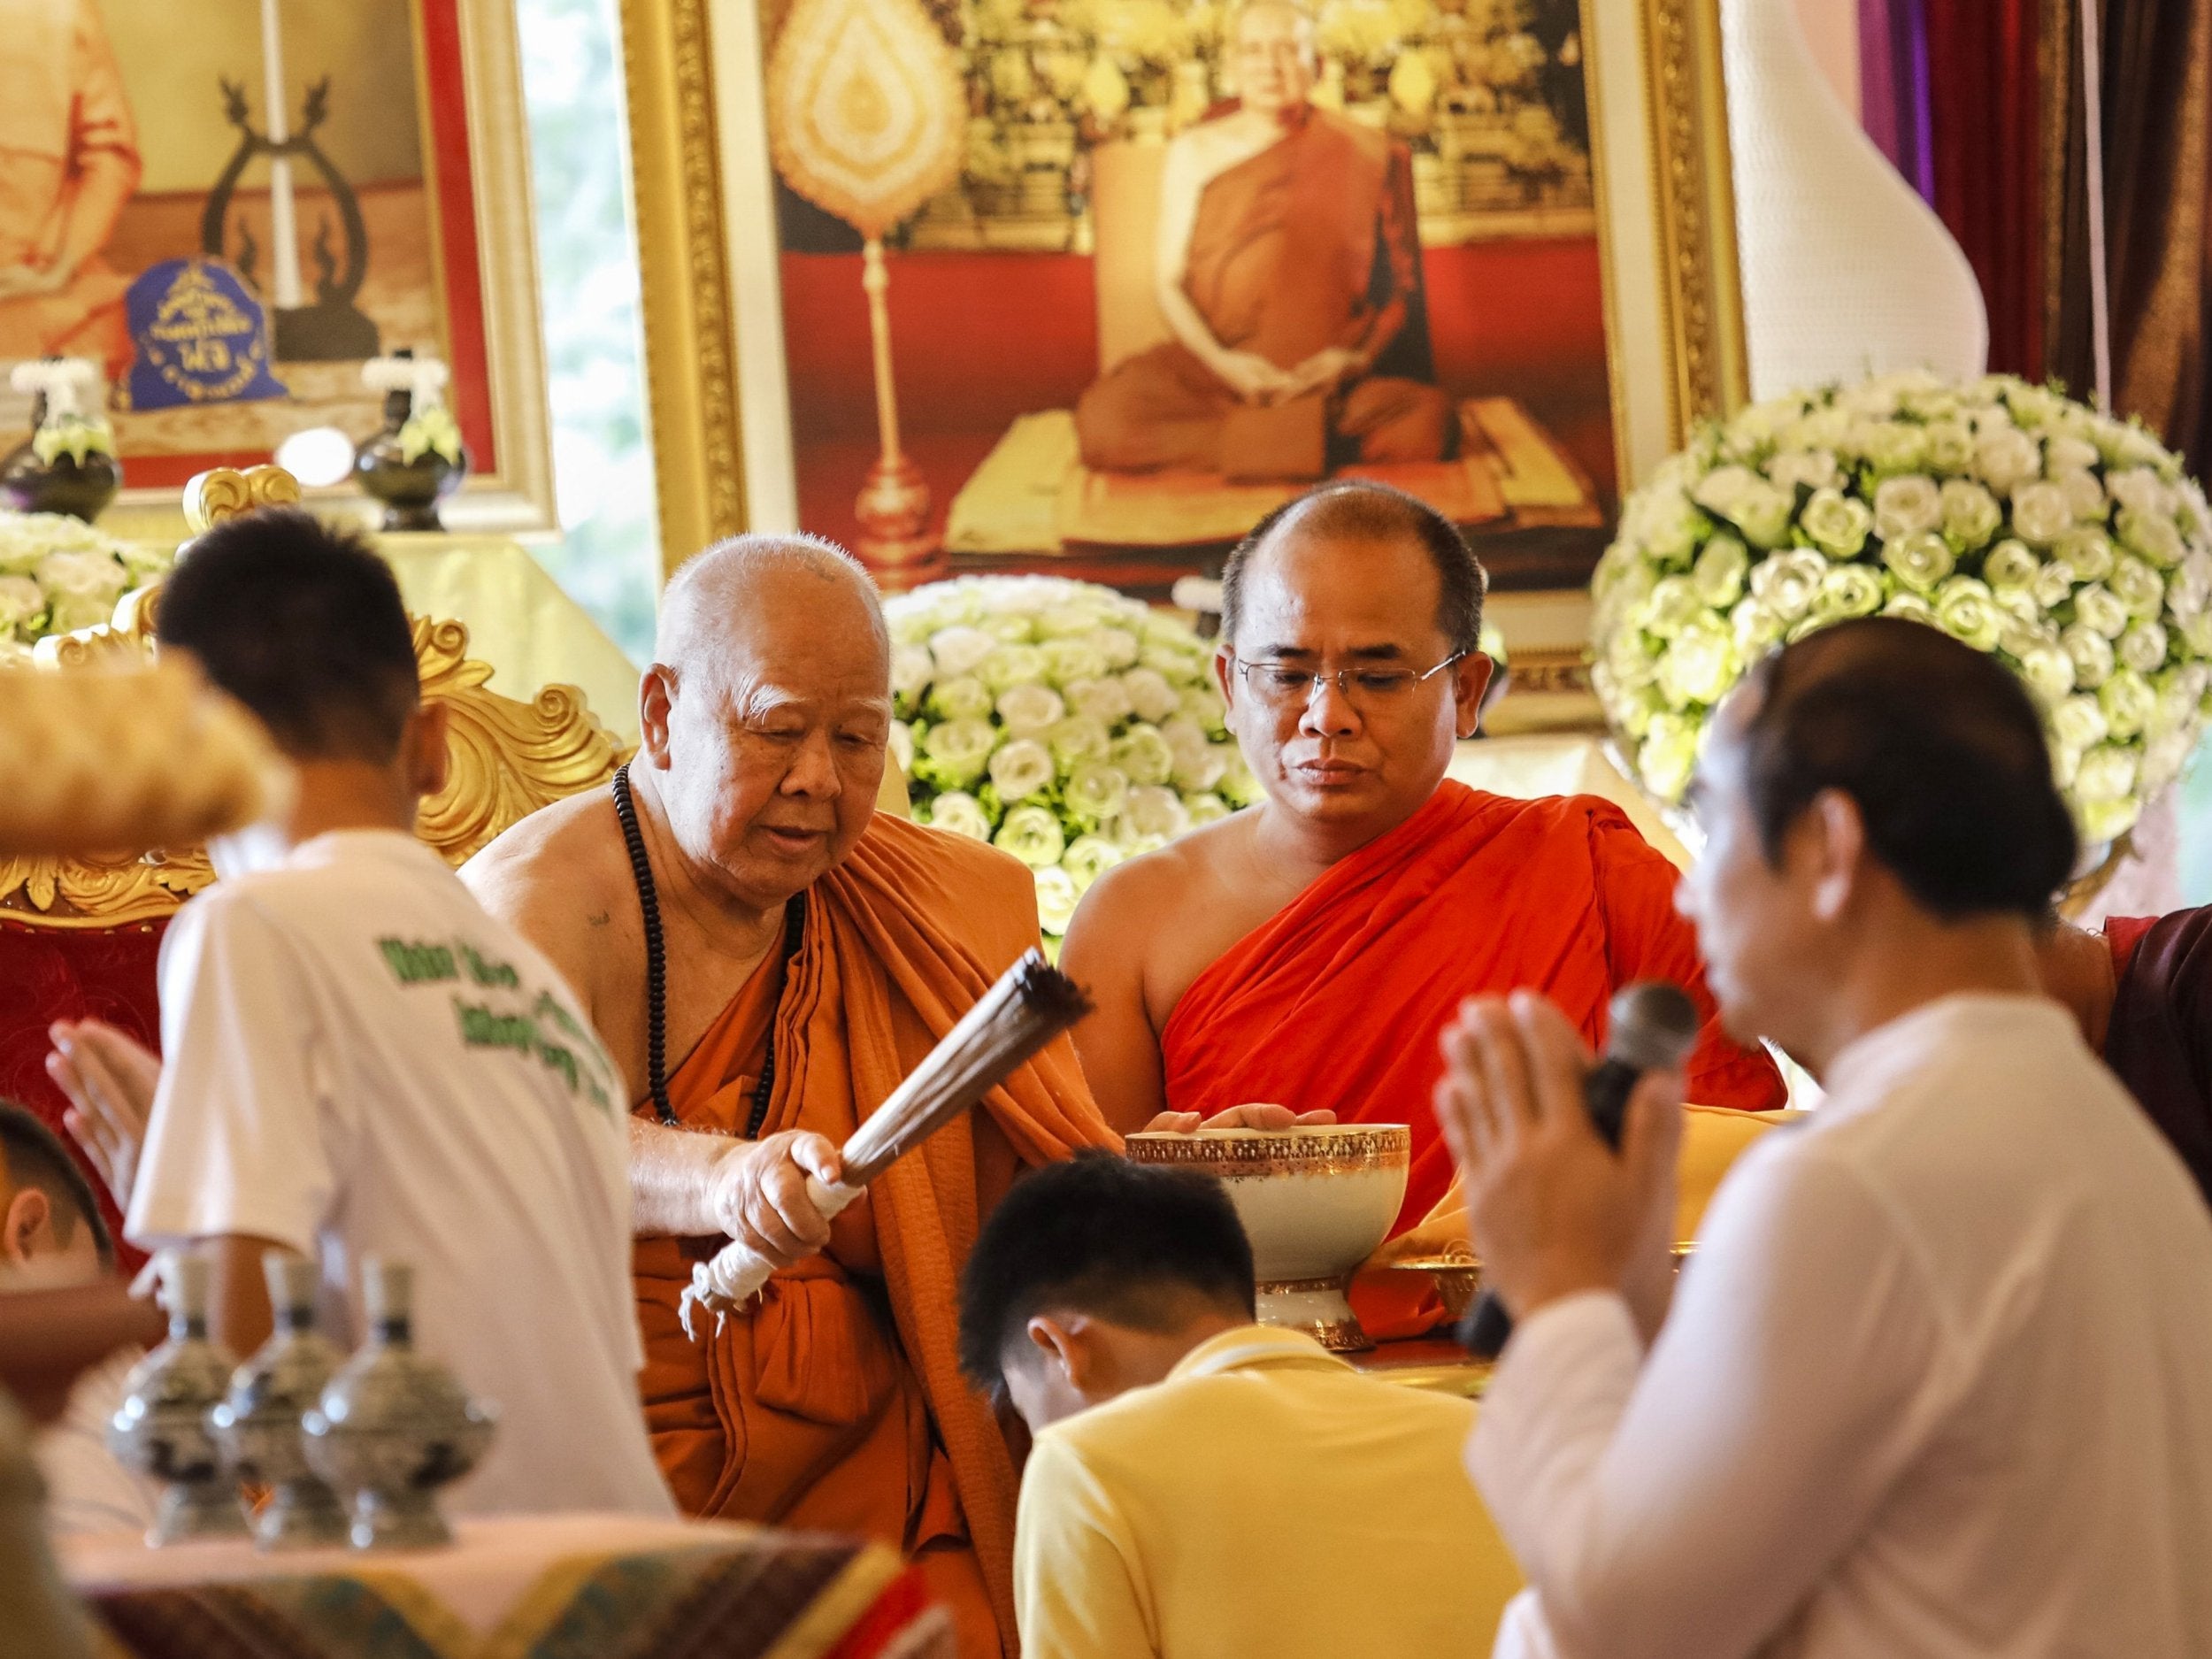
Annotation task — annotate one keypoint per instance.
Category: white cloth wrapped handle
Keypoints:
(736, 1272)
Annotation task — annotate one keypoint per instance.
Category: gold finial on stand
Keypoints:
(223, 492)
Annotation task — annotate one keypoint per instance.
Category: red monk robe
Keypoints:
(1336, 999)
(837, 1402)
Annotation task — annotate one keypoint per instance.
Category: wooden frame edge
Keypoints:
(692, 404)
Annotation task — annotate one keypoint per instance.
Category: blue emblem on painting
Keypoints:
(201, 338)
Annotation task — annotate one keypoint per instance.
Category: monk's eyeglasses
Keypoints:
(1285, 686)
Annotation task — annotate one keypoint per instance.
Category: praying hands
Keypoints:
(109, 1078)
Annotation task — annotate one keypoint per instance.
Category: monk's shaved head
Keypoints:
(764, 714)
(712, 591)
(1359, 513)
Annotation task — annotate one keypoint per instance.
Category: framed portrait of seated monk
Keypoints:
(231, 206)
(1189, 258)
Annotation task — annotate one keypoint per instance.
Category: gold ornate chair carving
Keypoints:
(509, 757)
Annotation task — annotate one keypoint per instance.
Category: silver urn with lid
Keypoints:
(394, 1426)
(258, 1425)
(161, 1429)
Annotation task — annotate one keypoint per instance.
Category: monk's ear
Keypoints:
(1831, 837)
(1470, 679)
(656, 704)
(1225, 672)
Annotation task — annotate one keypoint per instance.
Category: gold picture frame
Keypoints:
(714, 336)
(468, 81)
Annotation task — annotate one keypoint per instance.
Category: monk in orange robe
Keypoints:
(1286, 262)
(812, 954)
(1308, 952)
(68, 163)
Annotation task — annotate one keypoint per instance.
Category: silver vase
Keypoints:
(394, 1426)
(258, 1425)
(161, 1429)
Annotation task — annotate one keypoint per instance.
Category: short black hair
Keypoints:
(32, 1155)
(302, 623)
(1127, 1242)
(1939, 745)
(1360, 510)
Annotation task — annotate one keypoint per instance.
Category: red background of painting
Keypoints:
(979, 338)
(450, 176)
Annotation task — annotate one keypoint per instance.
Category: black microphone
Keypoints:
(1651, 1026)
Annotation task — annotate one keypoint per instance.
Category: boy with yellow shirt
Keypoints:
(1202, 1485)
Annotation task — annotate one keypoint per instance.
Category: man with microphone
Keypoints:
(1938, 1379)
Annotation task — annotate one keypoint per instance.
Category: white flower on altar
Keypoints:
(1905, 507)
(2088, 553)
(2048, 671)
(1057, 897)
(2013, 563)
(1786, 582)
(1151, 696)
(1668, 755)
(1118, 647)
(2128, 702)
(900, 743)
(1149, 813)
(2078, 722)
(1846, 591)
(1206, 809)
(22, 601)
(1095, 792)
(1757, 626)
(1803, 469)
(82, 587)
(911, 671)
(1073, 661)
(1922, 561)
(2041, 514)
(2143, 648)
(960, 650)
(1089, 858)
(1909, 605)
(1029, 710)
(2064, 453)
(2006, 458)
(1078, 738)
(1718, 575)
(960, 812)
(1838, 524)
(1104, 699)
(1143, 755)
(955, 754)
(2092, 654)
(2106, 773)
(1967, 611)
(1032, 834)
(1021, 769)
(2154, 536)
(2097, 608)
(2137, 586)
(1970, 514)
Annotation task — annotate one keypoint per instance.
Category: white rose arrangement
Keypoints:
(2069, 545)
(59, 574)
(1062, 722)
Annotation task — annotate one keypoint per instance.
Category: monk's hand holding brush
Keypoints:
(786, 1203)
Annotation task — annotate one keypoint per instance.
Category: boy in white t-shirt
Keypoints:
(362, 1062)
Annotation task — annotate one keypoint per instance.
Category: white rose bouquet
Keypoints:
(1066, 724)
(2067, 544)
(59, 574)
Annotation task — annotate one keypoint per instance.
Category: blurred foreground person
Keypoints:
(51, 1237)
(361, 1061)
(1200, 1485)
(2141, 990)
(1939, 1380)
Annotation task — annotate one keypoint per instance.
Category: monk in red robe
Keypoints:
(2141, 988)
(1287, 263)
(811, 953)
(1306, 952)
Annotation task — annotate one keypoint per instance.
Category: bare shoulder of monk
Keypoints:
(560, 880)
(1163, 918)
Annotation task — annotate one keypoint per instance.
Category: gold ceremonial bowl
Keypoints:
(1315, 1203)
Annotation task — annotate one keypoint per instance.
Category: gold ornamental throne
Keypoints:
(509, 757)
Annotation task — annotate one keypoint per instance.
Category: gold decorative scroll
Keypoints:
(867, 114)
(222, 492)
(507, 759)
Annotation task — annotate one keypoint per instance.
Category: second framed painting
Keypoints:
(1181, 259)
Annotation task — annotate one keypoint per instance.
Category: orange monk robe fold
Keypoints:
(837, 1402)
(1338, 1000)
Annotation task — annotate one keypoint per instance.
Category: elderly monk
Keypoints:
(1286, 259)
(68, 163)
(2140, 988)
(1307, 951)
(812, 952)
